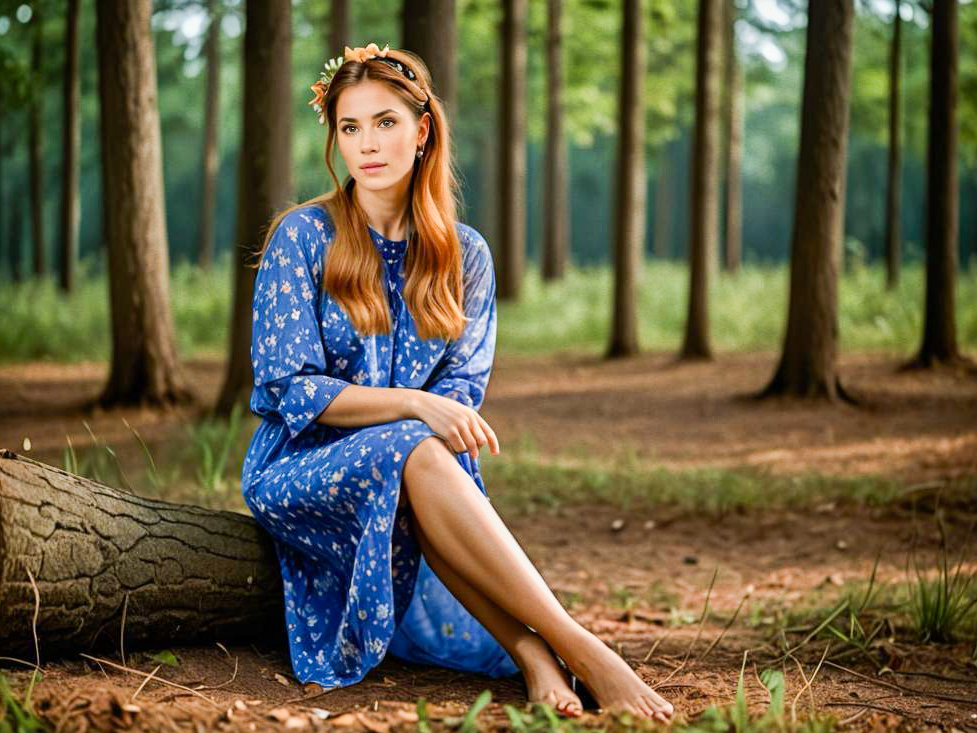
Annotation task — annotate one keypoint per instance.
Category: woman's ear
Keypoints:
(424, 129)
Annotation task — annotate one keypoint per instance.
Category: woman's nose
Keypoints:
(368, 142)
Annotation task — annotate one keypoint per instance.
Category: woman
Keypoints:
(374, 329)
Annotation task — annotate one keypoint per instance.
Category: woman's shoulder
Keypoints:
(475, 250)
(309, 219)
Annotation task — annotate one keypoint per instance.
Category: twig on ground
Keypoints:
(653, 647)
(807, 685)
(37, 610)
(122, 629)
(905, 688)
(144, 674)
(727, 626)
(143, 684)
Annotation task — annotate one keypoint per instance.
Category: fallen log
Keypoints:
(177, 574)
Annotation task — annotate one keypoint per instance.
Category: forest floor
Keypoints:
(681, 594)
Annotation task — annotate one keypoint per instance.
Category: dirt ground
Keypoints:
(641, 587)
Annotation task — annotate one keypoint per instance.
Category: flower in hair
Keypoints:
(320, 87)
(361, 54)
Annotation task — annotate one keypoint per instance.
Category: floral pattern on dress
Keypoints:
(356, 584)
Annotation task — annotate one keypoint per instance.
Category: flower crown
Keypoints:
(361, 54)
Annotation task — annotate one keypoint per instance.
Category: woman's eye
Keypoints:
(388, 119)
(347, 128)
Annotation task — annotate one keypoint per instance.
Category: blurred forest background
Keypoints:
(768, 42)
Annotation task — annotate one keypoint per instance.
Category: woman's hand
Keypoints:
(461, 426)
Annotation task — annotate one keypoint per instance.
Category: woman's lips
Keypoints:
(373, 168)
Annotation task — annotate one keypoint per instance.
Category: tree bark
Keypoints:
(175, 572)
(71, 145)
(629, 205)
(15, 234)
(430, 30)
(36, 145)
(942, 193)
(556, 235)
(208, 201)
(704, 228)
(733, 124)
(265, 183)
(893, 199)
(339, 28)
(664, 201)
(808, 365)
(145, 368)
(510, 264)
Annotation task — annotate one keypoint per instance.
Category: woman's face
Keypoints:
(374, 127)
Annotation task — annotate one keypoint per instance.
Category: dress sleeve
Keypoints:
(464, 370)
(291, 383)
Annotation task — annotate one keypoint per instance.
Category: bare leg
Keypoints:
(470, 536)
(545, 680)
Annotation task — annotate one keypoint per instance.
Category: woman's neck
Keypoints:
(386, 211)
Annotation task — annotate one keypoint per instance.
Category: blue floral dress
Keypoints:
(356, 584)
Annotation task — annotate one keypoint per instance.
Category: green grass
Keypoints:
(18, 716)
(524, 481)
(203, 464)
(944, 597)
(748, 312)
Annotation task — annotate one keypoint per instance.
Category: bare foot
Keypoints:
(548, 683)
(616, 686)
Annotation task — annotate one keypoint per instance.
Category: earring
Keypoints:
(420, 153)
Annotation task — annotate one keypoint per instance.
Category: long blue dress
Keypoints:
(356, 584)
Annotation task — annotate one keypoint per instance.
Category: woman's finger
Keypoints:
(493, 441)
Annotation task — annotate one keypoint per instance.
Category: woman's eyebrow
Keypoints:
(378, 114)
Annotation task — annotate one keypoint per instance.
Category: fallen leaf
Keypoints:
(239, 704)
(346, 720)
(320, 713)
(617, 525)
(282, 679)
(375, 726)
(130, 707)
(408, 716)
(279, 714)
(296, 722)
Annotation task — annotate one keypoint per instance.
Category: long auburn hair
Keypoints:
(354, 273)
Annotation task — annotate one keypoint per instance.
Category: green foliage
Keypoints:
(524, 481)
(748, 312)
(167, 657)
(212, 441)
(945, 605)
(17, 716)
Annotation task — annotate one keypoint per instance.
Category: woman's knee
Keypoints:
(430, 454)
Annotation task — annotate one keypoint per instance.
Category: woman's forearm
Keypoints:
(359, 405)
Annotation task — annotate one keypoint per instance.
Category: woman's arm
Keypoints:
(461, 426)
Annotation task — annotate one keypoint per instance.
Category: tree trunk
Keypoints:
(807, 367)
(208, 202)
(556, 236)
(339, 28)
(175, 572)
(733, 123)
(893, 199)
(145, 368)
(510, 264)
(71, 145)
(265, 183)
(489, 200)
(629, 208)
(430, 31)
(664, 201)
(36, 145)
(942, 192)
(704, 229)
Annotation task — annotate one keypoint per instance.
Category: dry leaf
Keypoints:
(279, 714)
(346, 720)
(282, 679)
(320, 713)
(239, 704)
(375, 726)
(296, 722)
(408, 716)
(131, 708)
